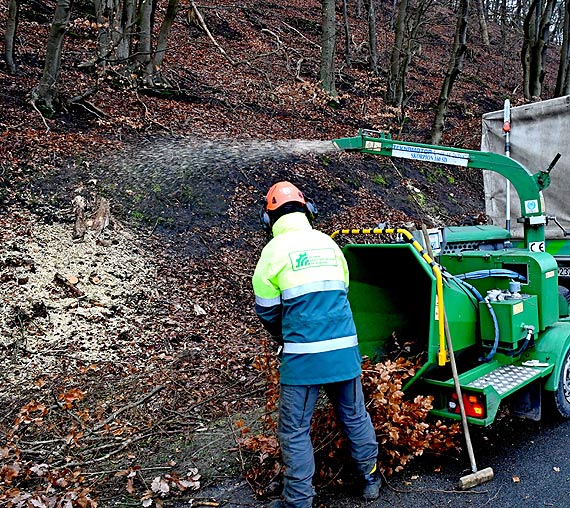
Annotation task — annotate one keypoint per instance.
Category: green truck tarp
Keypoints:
(539, 131)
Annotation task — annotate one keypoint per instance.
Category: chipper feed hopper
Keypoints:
(505, 313)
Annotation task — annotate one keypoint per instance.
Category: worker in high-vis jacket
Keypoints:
(301, 286)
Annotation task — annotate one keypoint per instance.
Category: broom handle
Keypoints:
(454, 370)
(459, 396)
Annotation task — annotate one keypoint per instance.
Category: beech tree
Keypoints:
(563, 77)
(10, 35)
(116, 21)
(153, 72)
(536, 33)
(328, 40)
(481, 16)
(453, 70)
(394, 92)
(372, 38)
(145, 18)
(346, 32)
(44, 95)
(409, 22)
(125, 36)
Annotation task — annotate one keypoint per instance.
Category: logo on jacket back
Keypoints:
(312, 258)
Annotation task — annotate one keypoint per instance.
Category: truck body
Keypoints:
(538, 131)
(500, 304)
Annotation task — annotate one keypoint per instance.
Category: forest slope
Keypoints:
(125, 348)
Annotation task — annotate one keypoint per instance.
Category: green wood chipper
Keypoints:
(466, 292)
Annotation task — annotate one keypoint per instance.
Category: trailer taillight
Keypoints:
(474, 405)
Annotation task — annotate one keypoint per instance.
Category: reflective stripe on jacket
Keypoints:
(301, 285)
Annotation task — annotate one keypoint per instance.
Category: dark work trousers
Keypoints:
(296, 407)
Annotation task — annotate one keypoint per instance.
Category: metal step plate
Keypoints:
(505, 378)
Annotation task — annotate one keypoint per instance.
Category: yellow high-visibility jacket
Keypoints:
(301, 285)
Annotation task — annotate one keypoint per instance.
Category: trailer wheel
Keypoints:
(562, 394)
(565, 292)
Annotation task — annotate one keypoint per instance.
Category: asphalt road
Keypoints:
(531, 462)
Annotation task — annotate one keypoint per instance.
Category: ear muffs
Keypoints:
(264, 217)
(311, 210)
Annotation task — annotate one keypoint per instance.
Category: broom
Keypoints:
(477, 477)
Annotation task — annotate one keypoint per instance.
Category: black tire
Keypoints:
(562, 393)
(565, 292)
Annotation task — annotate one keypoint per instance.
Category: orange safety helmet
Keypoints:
(281, 193)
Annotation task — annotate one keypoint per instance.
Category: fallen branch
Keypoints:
(127, 407)
(33, 103)
(83, 463)
(147, 114)
(304, 37)
(208, 33)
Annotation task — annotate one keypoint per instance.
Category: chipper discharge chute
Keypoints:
(486, 318)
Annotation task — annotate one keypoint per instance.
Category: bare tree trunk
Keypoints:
(482, 22)
(328, 39)
(536, 30)
(124, 29)
(372, 37)
(45, 93)
(144, 24)
(392, 96)
(359, 8)
(503, 19)
(116, 19)
(411, 46)
(104, 14)
(346, 33)
(518, 16)
(454, 69)
(563, 77)
(10, 35)
(393, 14)
(167, 22)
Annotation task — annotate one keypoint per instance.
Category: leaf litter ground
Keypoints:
(131, 357)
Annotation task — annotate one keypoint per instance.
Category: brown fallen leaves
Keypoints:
(401, 425)
(52, 487)
(58, 481)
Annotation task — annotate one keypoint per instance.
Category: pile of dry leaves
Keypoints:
(402, 427)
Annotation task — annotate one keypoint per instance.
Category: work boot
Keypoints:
(372, 483)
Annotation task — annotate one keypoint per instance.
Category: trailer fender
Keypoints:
(552, 347)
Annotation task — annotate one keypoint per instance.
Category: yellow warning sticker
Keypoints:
(518, 308)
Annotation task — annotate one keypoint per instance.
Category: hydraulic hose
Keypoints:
(495, 272)
(493, 351)
(480, 298)
(529, 334)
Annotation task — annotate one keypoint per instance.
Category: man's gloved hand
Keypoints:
(279, 341)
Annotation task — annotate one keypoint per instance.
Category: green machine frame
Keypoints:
(397, 291)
